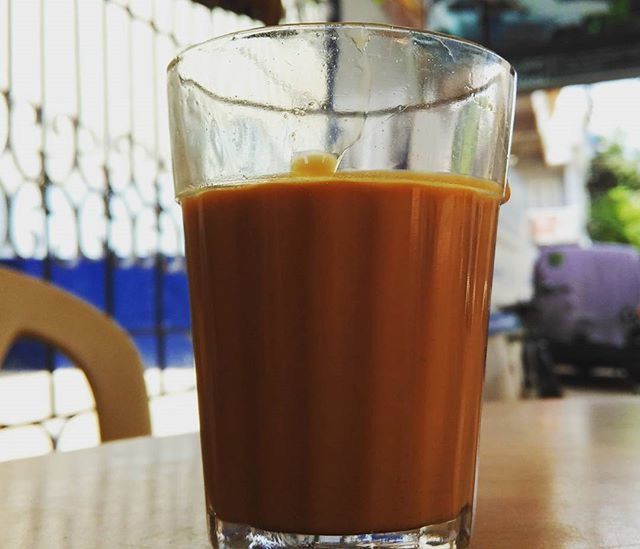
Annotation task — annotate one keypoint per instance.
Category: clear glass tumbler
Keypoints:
(340, 187)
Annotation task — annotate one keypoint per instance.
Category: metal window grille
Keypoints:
(86, 196)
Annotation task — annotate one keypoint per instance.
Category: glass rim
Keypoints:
(316, 27)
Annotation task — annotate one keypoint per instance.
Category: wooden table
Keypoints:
(553, 474)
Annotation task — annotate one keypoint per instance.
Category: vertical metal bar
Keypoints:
(131, 106)
(76, 121)
(109, 258)
(486, 21)
(42, 118)
(9, 79)
(124, 511)
(332, 45)
(335, 11)
(9, 58)
(47, 264)
(159, 262)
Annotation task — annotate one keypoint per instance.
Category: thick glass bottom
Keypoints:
(453, 534)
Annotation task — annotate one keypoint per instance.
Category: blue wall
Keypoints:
(148, 299)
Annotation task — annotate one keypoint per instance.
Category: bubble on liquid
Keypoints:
(314, 163)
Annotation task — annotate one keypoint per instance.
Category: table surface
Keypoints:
(553, 474)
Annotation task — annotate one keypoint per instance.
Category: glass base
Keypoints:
(453, 534)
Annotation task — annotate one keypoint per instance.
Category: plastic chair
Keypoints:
(94, 342)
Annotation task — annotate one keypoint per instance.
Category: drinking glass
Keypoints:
(340, 186)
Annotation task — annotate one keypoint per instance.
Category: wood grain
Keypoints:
(561, 474)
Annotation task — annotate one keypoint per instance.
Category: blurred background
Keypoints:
(86, 193)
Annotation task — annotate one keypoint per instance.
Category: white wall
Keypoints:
(362, 11)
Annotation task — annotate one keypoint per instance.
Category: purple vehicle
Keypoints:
(587, 302)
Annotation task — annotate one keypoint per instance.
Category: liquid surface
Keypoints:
(340, 329)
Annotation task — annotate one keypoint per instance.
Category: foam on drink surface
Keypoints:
(314, 164)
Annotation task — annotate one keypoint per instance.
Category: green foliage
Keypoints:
(612, 167)
(621, 15)
(620, 10)
(614, 185)
(615, 216)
